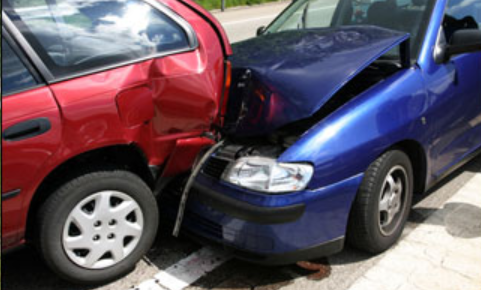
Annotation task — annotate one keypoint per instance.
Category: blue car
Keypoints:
(339, 111)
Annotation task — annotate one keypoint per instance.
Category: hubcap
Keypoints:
(392, 200)
(102, 230)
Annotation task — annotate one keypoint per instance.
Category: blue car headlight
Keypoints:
(267, 175)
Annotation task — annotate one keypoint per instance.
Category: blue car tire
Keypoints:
(382, 205)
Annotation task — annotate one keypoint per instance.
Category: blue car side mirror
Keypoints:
(260, 30)
(464, 41)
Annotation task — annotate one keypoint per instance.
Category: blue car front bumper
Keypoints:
(271, 229)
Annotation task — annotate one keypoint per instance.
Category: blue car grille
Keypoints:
(210, 228)
(215, 167)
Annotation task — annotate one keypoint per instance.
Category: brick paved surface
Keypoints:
(442, 253)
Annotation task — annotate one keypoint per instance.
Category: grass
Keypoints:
(216, 4)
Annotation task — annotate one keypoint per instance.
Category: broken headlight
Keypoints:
(267, 175)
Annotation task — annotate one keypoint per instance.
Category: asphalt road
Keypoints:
(242, 23)
(24, 270)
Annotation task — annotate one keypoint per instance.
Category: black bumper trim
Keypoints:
(318, 251)
(245, 211)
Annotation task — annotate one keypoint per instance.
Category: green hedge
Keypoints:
(216, 4)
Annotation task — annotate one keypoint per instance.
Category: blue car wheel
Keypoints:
(383, 202)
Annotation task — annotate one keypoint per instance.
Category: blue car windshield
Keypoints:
(411, 16)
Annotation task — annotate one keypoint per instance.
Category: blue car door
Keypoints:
(455, 86)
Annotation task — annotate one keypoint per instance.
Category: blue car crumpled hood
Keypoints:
(294, 73)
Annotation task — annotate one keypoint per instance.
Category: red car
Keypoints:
(103, 102)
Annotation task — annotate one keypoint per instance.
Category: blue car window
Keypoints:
(15, 75)
(462, 14)
(77, 36)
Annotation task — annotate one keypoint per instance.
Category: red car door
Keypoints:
(152, 83)
(31, 133)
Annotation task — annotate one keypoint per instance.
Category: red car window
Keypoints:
(73, 37)
(15, 75)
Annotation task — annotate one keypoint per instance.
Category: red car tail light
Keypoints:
(225, 92)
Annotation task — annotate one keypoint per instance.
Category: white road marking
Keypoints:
(149, 285)
(186, 271)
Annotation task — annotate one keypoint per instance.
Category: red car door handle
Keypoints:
(27, 129)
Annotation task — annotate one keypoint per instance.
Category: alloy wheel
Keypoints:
(392, 201)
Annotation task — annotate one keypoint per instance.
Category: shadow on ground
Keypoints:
(24, 269)
(419, 213)
(461, 220)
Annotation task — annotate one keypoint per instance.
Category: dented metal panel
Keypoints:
(294, 73)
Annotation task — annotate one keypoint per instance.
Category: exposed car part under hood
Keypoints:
(288, 76)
